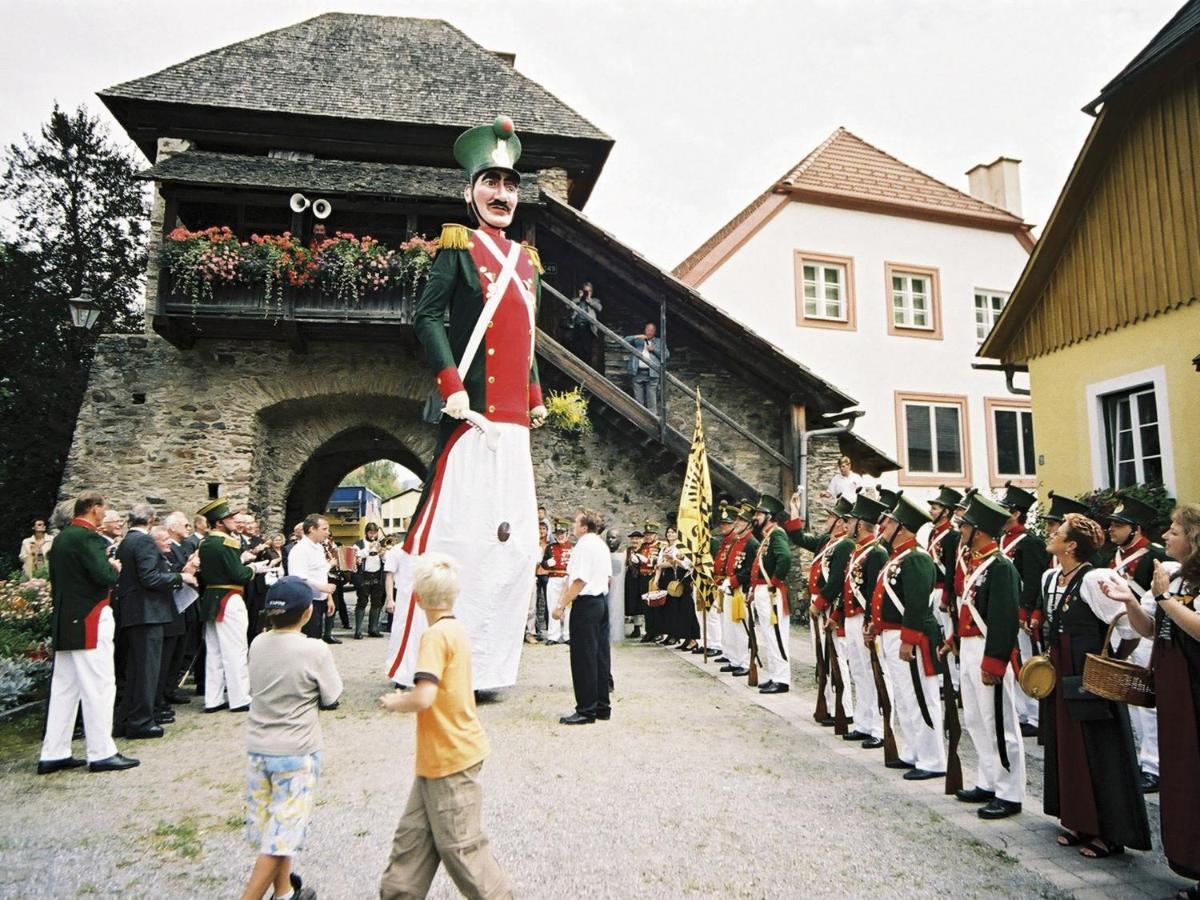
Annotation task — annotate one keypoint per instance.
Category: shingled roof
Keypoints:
(379, 68)
(845, 170)
(1183, 24)
(331, 176)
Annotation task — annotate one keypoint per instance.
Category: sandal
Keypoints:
(1070, 838)
(1100, 849)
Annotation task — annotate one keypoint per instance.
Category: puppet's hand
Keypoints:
(457, 404)
(537, 416)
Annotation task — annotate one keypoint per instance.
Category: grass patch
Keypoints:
(182, 838)
(235, 823)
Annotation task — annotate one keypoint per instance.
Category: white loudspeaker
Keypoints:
(299, 203)
(322, 208)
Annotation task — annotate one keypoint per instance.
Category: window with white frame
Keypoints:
(1131, 436)
(933, 438)
(1012, 434)
(988, 306)
(912, 300)
(824, 291)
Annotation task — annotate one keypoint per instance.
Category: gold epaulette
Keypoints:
(454, 237)
(233, 542)
(534, 258)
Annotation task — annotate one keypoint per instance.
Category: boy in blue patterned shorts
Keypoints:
(290, 677)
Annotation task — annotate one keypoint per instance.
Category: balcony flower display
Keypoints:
(344, 266)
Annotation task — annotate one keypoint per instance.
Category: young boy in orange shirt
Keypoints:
(441, 821)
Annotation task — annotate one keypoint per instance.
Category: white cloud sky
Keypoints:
(708, 101)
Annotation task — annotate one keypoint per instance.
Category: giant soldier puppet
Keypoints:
(478, 503)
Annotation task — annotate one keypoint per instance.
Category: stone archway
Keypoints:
(342, 453)
(306, 446)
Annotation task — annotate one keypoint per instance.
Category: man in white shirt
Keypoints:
(845, 483)
(588, 573)
(308, 561)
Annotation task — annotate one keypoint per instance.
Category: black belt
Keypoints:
(582, 596)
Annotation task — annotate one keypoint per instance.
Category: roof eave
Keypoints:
(1008, 223)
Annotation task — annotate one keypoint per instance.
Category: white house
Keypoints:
(886, 280)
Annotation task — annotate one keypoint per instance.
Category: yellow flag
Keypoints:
(695, 514)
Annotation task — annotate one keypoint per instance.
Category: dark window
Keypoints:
(933, 438)
(1014, 442)
(1132, 441)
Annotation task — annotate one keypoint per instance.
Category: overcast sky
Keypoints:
(708, 101)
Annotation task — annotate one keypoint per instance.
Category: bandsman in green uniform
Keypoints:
(862, 568)
(768, 594)
(902, 615)
(1028, 553)
(81, 632)
(988, 623)
(1128, 528)
(224, 573)
(942, 546)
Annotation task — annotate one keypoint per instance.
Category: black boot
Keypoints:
(376, 612)
(328, 631)
(637, 632)
(359, 613)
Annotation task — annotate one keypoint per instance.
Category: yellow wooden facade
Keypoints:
(1110, 299)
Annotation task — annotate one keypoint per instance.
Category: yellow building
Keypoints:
(1106, 314)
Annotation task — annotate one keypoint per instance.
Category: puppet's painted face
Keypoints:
(494, 196)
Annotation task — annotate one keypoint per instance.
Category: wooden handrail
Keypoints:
(671, 379)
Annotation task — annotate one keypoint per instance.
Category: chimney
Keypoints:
(509, 59)
(998, 183)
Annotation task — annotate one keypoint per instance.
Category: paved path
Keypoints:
(695, 788)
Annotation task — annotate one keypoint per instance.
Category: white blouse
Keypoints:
(1104, 608)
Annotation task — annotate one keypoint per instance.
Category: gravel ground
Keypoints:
(689, 791)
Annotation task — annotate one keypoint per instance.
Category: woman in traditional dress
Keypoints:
(674, 568)
(1168, 614)
(1092, 781)
(635, 606)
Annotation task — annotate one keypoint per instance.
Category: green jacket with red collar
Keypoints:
(81, 582)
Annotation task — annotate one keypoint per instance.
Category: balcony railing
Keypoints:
(389, 305)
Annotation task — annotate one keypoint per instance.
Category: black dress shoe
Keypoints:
(213, 709)
(774, 687)
(697, 649)
(855, 736)
(999, 809)
(828, 722)
(899, 764)
(975, 795)
(922, 775)
(740, 672)
(1028, 730)
(729, 667)
(164, 718)
(46, 766)
(374, 634)
(358, 636)
(646, 638)
(114, 763)
(1149, 783)
(604, 716)
(143, 734)
(721, 659)
(576, 719)
(872, 743)
(245, 708)
(177, 700)
(712, 651)
(332, 640)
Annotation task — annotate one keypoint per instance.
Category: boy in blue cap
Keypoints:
(290, 678)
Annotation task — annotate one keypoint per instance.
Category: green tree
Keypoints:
(80, 223)
(378, 476)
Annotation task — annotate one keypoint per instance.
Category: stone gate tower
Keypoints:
(269, 394)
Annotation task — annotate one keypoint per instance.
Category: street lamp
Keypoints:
(84, 311)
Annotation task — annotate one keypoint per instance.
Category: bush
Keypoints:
(1105, 500)
(19, 678)
(25, 610)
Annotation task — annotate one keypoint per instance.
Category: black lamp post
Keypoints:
(84, 311)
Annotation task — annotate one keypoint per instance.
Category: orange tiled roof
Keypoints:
(845, 169)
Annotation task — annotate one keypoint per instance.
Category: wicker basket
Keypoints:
(1115, 679)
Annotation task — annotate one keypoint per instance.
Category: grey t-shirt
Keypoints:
(289, 674)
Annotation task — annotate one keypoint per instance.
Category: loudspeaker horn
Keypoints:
(322, 208)
(299, 203)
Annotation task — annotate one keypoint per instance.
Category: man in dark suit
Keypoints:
(181, 635)
(146, 602)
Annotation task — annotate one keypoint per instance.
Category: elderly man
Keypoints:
(479, 504)
(146, 602)
(181, 635)
(81, 630)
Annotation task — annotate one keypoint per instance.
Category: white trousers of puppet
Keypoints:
(226, 671)
(1145, 721)
(866, 699)
(557, 629)
(735, 640)
(943, 619)
(88, 677)
(919, 744)
(405, 620)
(1027, 707)
(979, 714)
(475, 491)
(710, 636)
(775, 658)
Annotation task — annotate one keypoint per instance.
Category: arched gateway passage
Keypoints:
(341, 454)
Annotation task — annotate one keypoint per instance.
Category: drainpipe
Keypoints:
(852, 416)
(1009, 371)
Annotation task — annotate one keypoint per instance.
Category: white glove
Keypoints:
(457, 404)
(537, 416)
